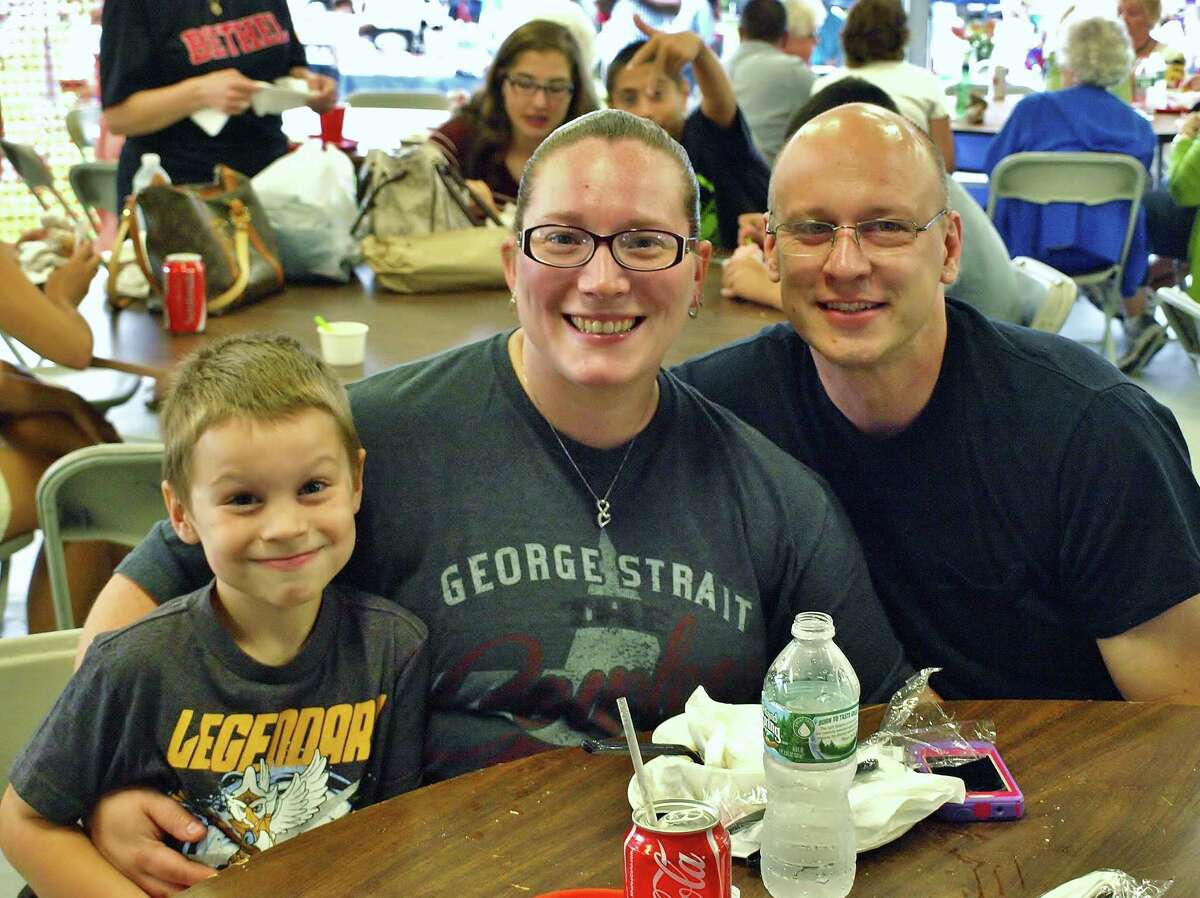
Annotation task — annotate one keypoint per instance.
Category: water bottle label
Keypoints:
(810, 738)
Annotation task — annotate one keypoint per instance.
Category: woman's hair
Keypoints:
(1097, 51)
(875, 31)
(254, 377)
(485, 111)
(612, 125)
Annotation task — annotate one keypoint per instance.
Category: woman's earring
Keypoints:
(694, 311)
(512, 300)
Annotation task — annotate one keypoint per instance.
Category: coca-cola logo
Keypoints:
(689, 874)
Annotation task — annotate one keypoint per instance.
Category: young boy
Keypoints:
(268, 702)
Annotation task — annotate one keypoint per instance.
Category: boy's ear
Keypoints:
(358, 479)
(180, 519)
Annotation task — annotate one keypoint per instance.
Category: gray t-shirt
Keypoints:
(474, 519)
(261, 753)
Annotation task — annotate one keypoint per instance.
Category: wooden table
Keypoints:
(1107, 784)
(403, 327)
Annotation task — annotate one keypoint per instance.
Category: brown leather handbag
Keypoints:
(222, 221)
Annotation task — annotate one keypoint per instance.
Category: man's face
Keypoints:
(800, 46)
(644, 90)
(861, 307)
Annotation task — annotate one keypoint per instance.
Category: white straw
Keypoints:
(636, 754)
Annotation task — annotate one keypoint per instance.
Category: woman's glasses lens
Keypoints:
(528, 86)
(640, 250)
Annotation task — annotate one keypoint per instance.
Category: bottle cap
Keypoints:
(150, 159)
(813, 625)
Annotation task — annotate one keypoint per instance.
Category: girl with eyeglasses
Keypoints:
(536, 82)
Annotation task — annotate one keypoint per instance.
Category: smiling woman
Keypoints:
(536, 82)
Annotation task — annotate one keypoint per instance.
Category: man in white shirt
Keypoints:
(769, 83)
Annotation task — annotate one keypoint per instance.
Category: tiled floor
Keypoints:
(1170, 377)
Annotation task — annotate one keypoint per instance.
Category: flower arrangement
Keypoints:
(979, 35)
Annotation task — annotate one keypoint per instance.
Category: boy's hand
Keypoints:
(669, 52)
(128, 826)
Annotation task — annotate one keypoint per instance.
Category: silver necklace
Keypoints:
(603, 507)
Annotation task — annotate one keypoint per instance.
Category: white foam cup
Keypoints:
(344, 342)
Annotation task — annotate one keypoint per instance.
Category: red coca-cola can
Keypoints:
(184, 307)
(685, 854)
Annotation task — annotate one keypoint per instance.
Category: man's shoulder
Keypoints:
(1011, 355)
(775, 345)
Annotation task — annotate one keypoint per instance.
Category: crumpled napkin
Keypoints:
(886, 802)
(271, 99)
(1108, 884)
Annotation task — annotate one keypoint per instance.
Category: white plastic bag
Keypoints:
(309, 198)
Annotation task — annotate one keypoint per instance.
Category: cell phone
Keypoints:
(992, 793)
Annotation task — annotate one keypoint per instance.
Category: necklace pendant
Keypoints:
(215, 6)
(602, 515)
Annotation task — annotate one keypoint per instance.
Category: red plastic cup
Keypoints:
(331, 125)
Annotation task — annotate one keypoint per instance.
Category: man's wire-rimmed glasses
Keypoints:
(527, 87)
(638, 249)
(816, 238)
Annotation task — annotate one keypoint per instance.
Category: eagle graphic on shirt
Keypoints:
(258, 808)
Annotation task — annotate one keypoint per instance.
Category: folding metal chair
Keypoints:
(82, 123)
(1183, 315)
(36, 174)
(95, 186)
(399, 99)
(8, 549)
(1088, 178)
(107, 492)
(1046, 292)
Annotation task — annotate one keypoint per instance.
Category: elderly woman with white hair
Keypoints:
(1084, 117)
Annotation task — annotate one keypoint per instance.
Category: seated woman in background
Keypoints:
(39, 422)
(536, 82)
(1084, 117)
(874, 38)
(985, 280)
(159, 64)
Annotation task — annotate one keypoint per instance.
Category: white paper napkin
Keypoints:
(270, 99)
(886, 803)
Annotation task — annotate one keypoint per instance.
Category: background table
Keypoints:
(1107, 784)
(403, 327)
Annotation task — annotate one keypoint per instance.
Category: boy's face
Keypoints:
(644, 90)
(273, 505)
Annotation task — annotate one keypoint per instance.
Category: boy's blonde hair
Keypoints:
(257, 377)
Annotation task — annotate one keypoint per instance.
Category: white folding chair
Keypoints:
(399, 99)
(107, 492)
(1046, 293)
(1183, 315)
(33, 671)
(1088, 178)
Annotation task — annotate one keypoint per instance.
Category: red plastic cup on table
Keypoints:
(331, 126)
(185, 310)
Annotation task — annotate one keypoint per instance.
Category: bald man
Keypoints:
(1028, 513)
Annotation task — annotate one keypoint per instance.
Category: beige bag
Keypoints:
(421, 236)
(467, 259)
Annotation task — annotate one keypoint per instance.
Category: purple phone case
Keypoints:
(1006, 805)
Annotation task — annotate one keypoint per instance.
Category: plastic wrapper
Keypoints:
(1110, 884)
(915, 720)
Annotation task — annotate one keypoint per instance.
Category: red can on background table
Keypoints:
(185, 310)
(684, 855)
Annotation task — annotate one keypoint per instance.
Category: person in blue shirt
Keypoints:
(1084, 117)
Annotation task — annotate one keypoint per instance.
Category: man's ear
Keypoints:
(180, 519)
(769, 255)
(952, 247)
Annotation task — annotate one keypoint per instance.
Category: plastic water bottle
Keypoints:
(810, 732)
(150, 172)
